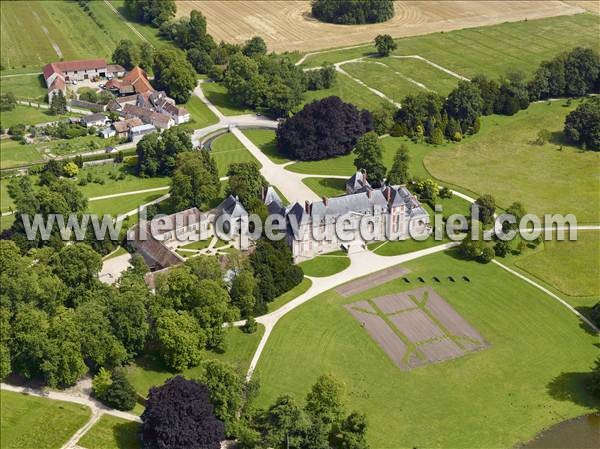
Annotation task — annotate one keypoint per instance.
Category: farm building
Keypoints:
(58, 74)
(135, 82)
(137, 132)
(97, 119)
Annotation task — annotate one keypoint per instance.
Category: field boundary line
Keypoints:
(549, 293)
(131, 27)
(433, 64)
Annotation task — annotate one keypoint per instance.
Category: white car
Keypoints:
(101, 85)
(74, 82)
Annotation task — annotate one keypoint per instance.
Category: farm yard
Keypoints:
(535, 347)
(289, 26)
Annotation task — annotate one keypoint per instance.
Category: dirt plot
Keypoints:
(287, 25)
(365, 283)
(417, 327)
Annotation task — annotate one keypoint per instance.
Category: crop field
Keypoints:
(289, 25)
(492, 50)
(527, 379)
(33, 422)
(226, 150)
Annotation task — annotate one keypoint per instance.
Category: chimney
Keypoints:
(307, 207)
(369, 193)
(388, 193)
(325, 201)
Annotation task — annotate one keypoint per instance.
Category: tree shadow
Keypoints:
(558, 138)
(126, 435)
(572, 387)
(587, 311)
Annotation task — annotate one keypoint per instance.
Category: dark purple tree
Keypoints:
(179, 415)
(322, 129)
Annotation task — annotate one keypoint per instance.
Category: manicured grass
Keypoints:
(32, 422)
(121, 205)
(265, 140)
(527, 379)
(120, 251)
(383, 79)
(200, 114)
(288, 296)
(216, 93)
(324, 265)
(30, 87)
(398, 247)
(349, 91)
(491, 50)
(433, 78)
(111, 432)
(326, 186)
(28, 116)
(13, 154)
(130, 183)
(344, 165)
(240, 347)
(503, 160)
(570, 266)
(226, 150)
(200, 244)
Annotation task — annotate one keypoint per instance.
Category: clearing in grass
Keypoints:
(111, 432)
(27, 420)
(537, 352)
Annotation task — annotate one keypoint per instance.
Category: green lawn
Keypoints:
(344, 165)
(14, 154)
(503, 160)
(30, 87)
(492, 50)
(111, 432)
(28, 116)
(265, 140)
(528, 379)
(349, 91)
(325, 265)
(216, 93)
(240, 347)
(288, 296)
(201, 116)
(433, 78)
(32, 422)
(570, 266)
(6, 222)
(121, 205)
(226, 150)
(329, 187)
(383, 79)
(200, 244)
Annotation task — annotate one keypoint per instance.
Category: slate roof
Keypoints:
(233, 207)
(93, 117)
(357, 182)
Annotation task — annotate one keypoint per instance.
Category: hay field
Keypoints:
(287, 25)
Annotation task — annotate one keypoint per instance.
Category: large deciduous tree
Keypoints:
(245, 181)
(369, 157)
(179, 415)
(195, 181)
(464, 104)
(154, 12)
(582, 126)
(322, 129)
(180, 339)
(399, 173)
(174, 74)
(384, 43)
(157, 153)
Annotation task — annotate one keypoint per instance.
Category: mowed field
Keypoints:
(289, 25)
(32, 422)
(527, 379)
(34, 33)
